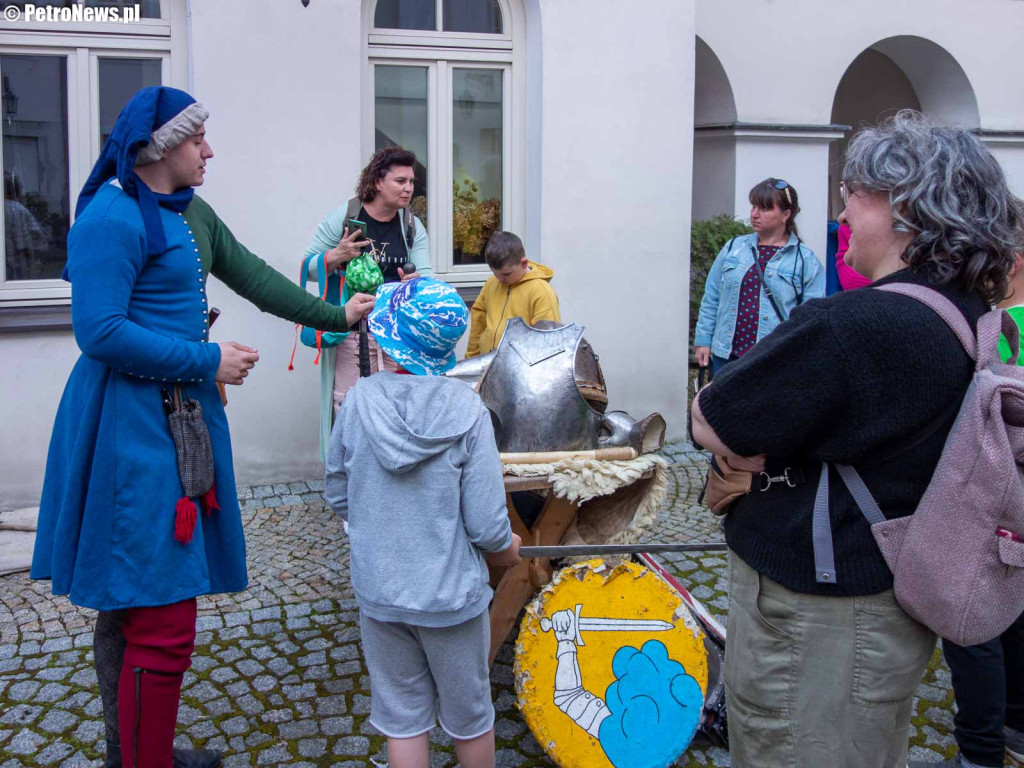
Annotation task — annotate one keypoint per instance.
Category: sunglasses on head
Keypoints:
(782, 185)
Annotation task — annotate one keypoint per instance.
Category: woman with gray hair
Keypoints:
(824, 672)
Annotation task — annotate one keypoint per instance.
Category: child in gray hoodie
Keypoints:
(414, 470)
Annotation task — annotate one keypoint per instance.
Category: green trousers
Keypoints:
(815, 681)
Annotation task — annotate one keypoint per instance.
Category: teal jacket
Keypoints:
(328, 234)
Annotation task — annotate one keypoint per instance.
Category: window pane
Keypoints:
(400, 115)
(472, 16)
(119, 80)
(405, 14)
(149, 9)
(476, 161)
(35, 162)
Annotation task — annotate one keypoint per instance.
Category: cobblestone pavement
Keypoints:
(278, 676)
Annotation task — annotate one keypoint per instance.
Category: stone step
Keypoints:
(17, 538)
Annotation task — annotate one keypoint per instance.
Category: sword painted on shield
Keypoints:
(589, 624)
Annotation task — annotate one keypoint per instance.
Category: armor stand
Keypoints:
(514, 587)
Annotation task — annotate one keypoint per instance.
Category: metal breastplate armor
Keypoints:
(530, 389)
(546, 392)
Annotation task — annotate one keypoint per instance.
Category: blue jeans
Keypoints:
(717, 363)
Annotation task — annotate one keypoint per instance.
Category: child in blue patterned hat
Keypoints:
(414, 470)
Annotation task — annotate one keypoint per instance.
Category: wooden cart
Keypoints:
(514, 587)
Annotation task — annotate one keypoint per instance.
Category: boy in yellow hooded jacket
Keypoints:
(519, 288)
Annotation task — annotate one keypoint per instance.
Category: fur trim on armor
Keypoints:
(617, 504)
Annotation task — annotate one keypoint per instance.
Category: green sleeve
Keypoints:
(1017, 313)
(253, 279)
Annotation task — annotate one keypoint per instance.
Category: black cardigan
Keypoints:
(866, 377)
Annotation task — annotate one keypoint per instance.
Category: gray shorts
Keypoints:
(413, 668)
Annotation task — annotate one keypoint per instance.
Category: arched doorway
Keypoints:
(714, 145)
(903, 72)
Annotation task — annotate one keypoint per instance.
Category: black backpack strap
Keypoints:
(803, 282)
(764, 285)
(410, 229)
(407, 218)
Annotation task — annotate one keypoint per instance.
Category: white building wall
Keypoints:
(615, 222)
(714, 155)
(799, 158)
(289, 150)
(873, 88)
(609, 115)
(35, 368)
(714, 175)
(285, 126)
(784, 58)
(784, 61)
(1009, 151)
(713, 101)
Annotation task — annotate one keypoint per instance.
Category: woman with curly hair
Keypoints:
(822, 671)
(382, 202)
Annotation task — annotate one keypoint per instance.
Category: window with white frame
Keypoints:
(64, 83)
(444, 82)
(147, 9)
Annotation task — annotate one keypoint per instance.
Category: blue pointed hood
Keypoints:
(155, 120)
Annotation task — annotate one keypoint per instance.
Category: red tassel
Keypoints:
(295, 344)
(209, 501)
(185, 516)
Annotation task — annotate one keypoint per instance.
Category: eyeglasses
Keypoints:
(847, 189)
(782, 185)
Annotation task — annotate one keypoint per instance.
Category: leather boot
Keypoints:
(108, 657)
(196, 758)
(183, 758)
(113, 756)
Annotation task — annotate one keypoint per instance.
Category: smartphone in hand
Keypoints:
(354, 224)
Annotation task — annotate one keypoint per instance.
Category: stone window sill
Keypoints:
(53, 317)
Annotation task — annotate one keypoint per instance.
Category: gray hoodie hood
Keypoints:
(414, 469)
(409, 419)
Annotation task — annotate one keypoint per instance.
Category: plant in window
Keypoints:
(473, 221)
(490, 218)
(418, 206)
(707, 237)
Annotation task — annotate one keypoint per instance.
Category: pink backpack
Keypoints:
(958, 561)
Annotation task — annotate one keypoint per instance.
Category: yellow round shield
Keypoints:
(610, 668)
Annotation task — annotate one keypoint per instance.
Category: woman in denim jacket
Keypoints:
(737, 311)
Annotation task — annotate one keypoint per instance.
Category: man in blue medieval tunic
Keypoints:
(125, 525)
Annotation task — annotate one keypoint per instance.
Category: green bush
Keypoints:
(706, 239)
